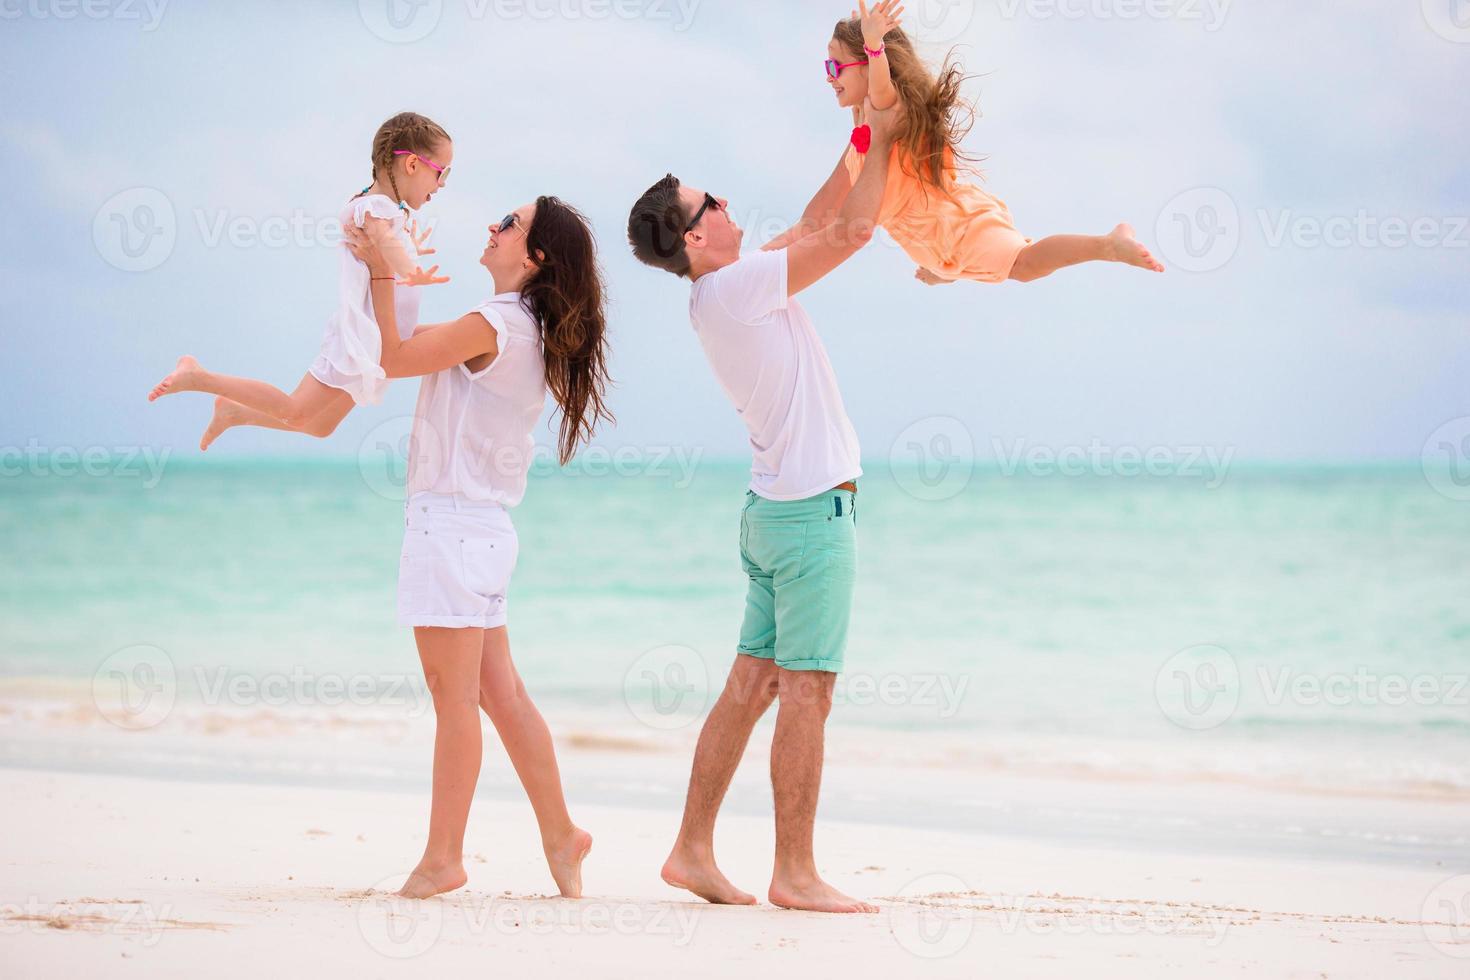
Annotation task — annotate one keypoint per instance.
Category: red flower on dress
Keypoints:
(862, 138)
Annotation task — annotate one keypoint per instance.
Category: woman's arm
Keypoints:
(822, 210)
(426, 352)
(876, 24)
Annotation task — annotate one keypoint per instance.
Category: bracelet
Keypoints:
(875, 54)
(382, 278)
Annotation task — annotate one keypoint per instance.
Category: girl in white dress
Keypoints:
(411, 158)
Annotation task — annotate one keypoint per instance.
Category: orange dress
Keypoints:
(967, 236)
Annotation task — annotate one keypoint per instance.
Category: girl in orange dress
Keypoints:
(953, 230)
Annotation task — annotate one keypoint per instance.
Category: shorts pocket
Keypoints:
(488, 563)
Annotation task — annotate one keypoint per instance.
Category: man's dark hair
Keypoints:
(656, 228)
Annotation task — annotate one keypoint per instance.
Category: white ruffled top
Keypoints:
(352, 347)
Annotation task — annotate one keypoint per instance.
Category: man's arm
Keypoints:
(822, 210)
(819, 253)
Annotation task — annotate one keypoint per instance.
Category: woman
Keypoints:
(486, 376)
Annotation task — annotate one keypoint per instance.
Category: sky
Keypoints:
(1299, 167)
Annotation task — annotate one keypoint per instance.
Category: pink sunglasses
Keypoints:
(443, 172)
(834, 67)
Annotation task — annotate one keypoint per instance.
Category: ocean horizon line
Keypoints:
(237, 459)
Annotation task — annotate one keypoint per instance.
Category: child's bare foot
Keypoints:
(1123, 247)
(699, 875)
(227, 415)
(814, 895)
(433, 879)
(930, 279)
(185, 377)
(565, 859)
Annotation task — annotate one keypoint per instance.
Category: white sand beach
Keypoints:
(164, 875)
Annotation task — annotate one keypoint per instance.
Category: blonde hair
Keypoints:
(405, 131)
(936, 116)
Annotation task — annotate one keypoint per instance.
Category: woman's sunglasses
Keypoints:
(507, 223)
(834, 67)
(709, 202)
(443, 172)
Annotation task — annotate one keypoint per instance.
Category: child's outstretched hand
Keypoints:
(420, 240)
(878, 21)
(418, 277)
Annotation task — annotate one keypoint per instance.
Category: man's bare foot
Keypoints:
(185, 377)
(930, 279)
(700, 876)
(433, 879)
(814, 895)
(565, 861)
(227, 414)
(1123, 247)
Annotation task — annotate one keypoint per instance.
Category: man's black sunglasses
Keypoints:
(709, 202)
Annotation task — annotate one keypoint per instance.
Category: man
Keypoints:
(797, 536)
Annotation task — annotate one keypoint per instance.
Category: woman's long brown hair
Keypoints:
(936, 115)
(566, 297)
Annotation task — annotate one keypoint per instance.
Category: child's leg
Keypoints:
(295, 409)
(1042, 258)
(228, 414)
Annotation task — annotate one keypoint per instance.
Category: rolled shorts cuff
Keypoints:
(457, 622)
(826, 666)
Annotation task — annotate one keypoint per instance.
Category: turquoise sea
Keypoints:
(1293, 624)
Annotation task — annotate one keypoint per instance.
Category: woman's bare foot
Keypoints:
(814, 895)
(227, 415)
(930, 279)
(699, 875)
(1123, 247)
(185, 377)
(565, 861)
(433, 879)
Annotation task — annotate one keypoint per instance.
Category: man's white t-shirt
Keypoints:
(767, 356)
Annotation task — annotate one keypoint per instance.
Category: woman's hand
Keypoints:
(418, 277)
(420, 240)
(877, 22)
(368, 247)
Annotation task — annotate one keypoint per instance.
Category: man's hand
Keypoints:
(368, 249)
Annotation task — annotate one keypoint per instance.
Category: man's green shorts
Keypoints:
(801, 556)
